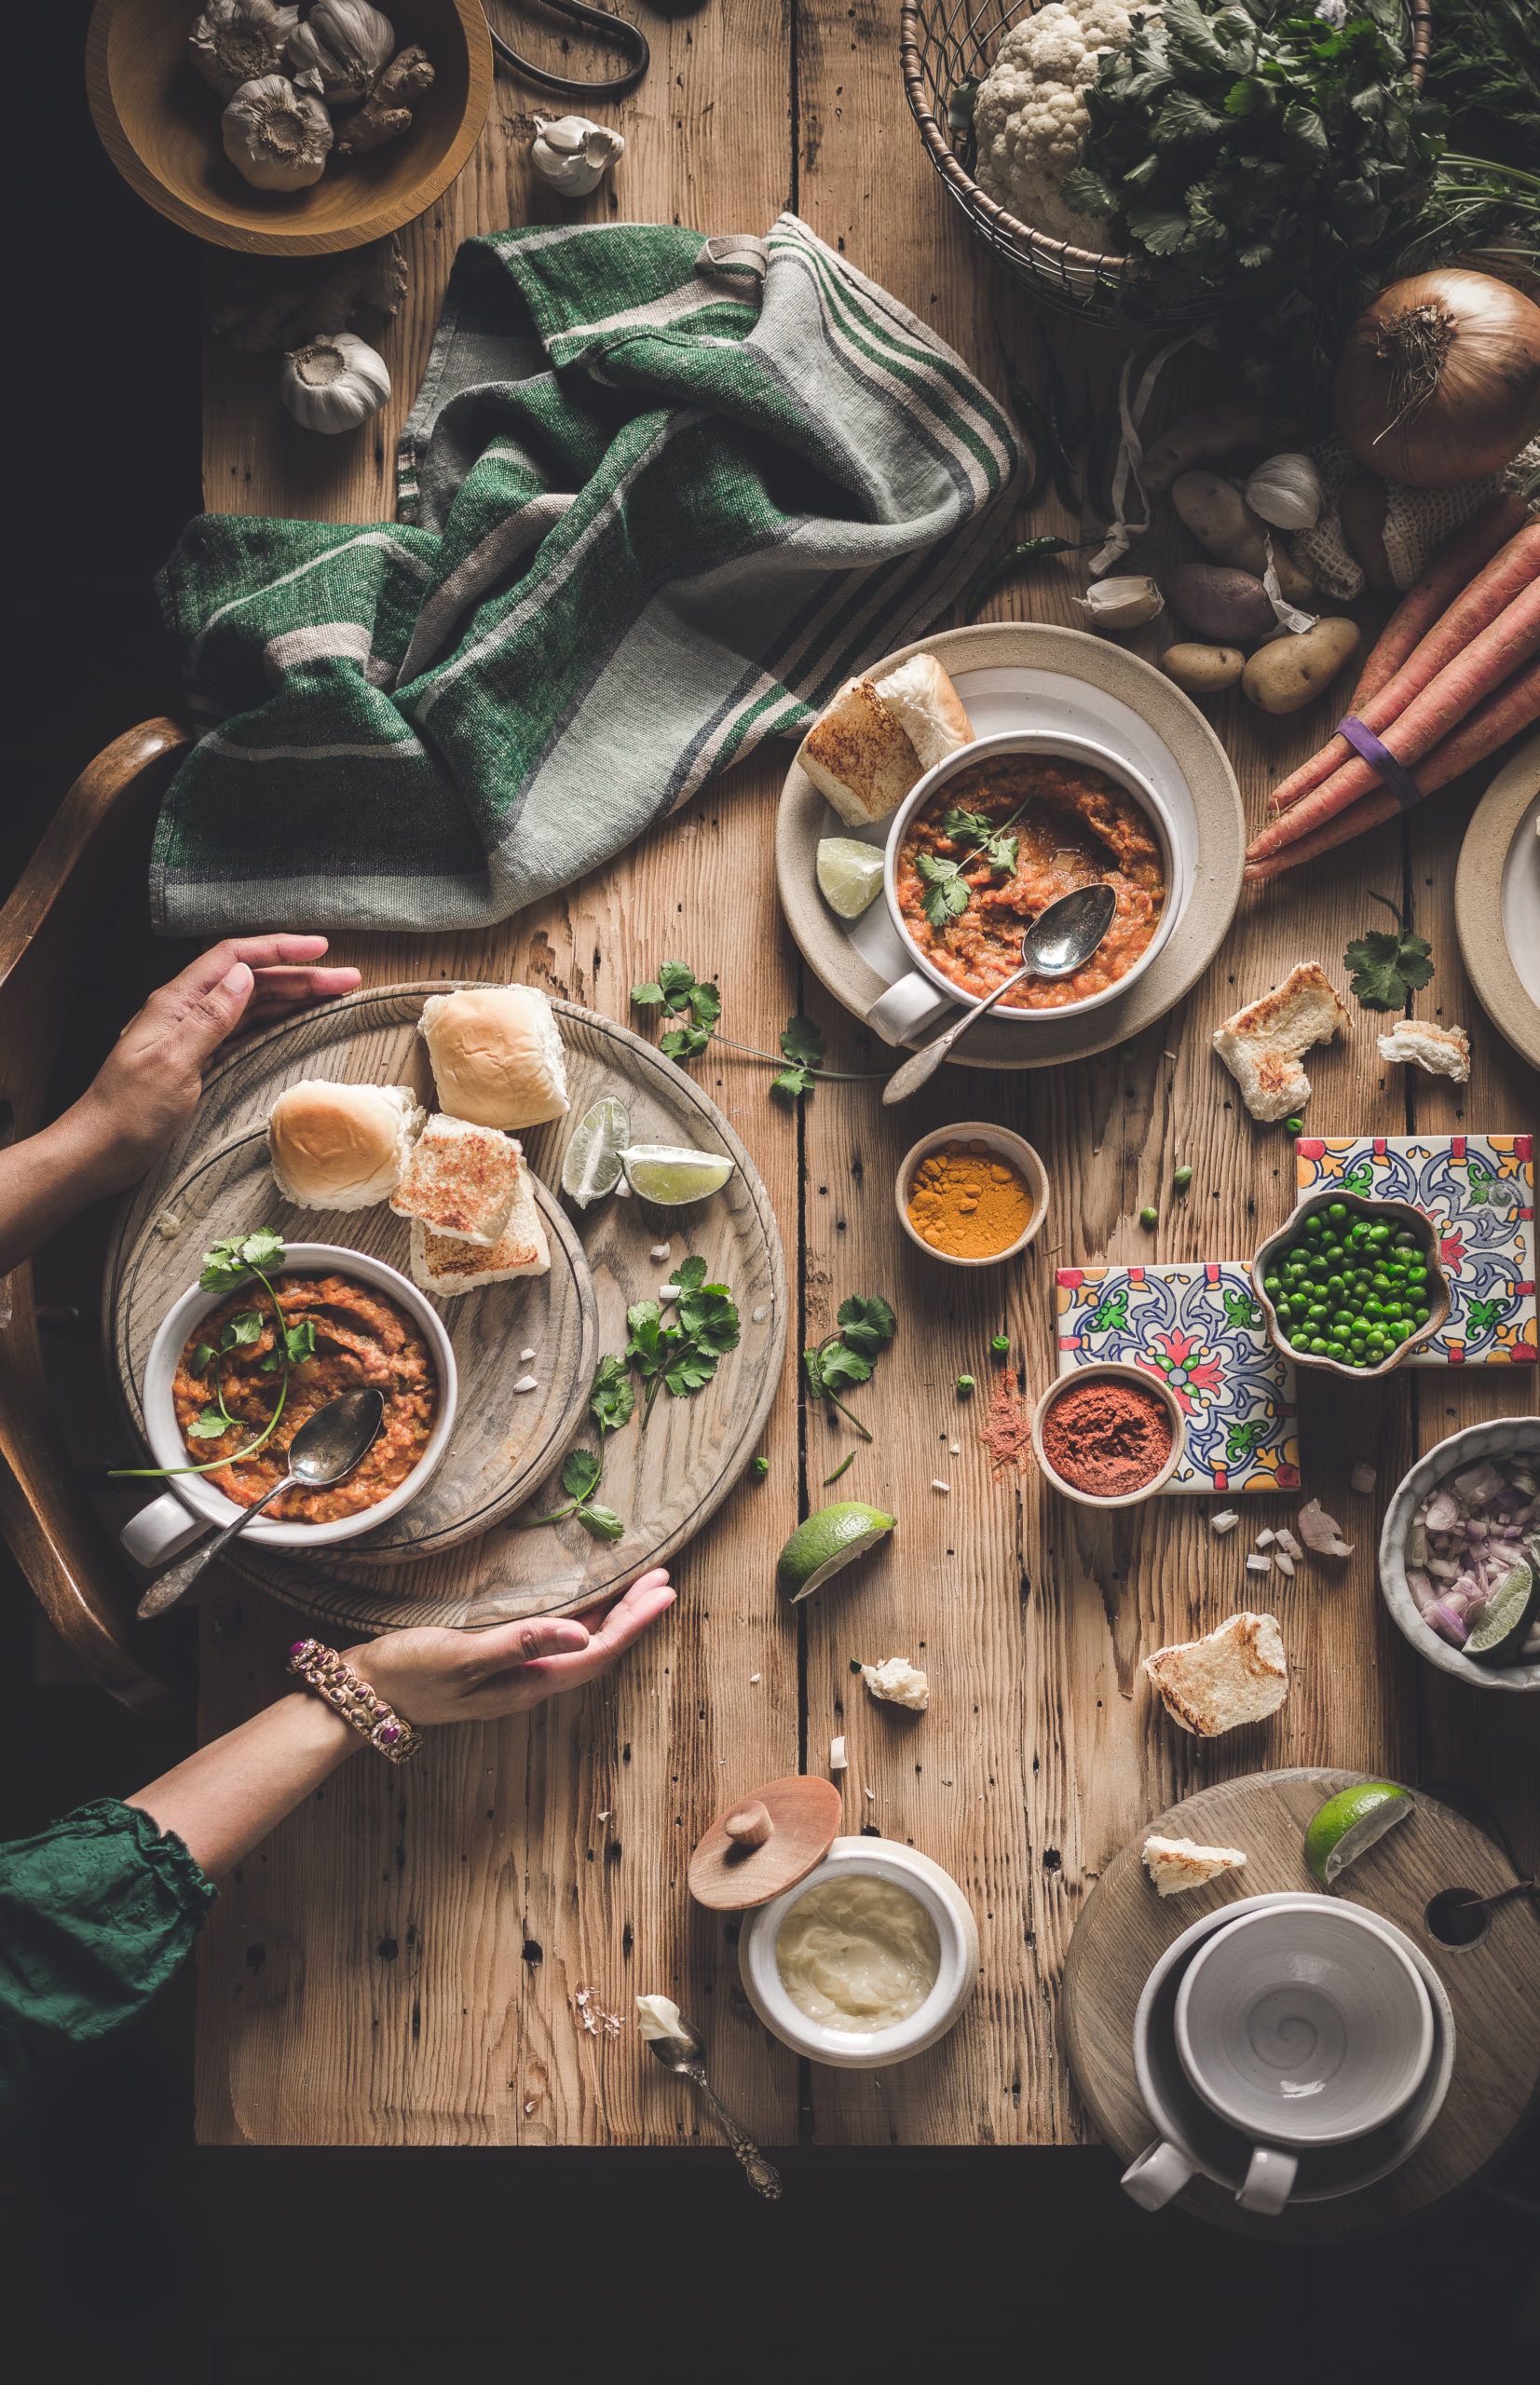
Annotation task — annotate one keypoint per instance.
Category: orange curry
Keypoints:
(362, 1338)
(967, 905)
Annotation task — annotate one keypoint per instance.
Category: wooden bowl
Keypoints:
(1111, 1370)
(160, 125)
(1395, 1214)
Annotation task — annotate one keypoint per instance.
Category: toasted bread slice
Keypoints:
(461, 1181)
(857, 754)
(444, 1266)
(1444, 1051)
(926, 706)
(1236, 1674)
(1262, 1044)
(1175, 1864)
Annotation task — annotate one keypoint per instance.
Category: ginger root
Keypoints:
(383, 115)
(264, 304)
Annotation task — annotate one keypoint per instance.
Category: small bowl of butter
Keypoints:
(869, 1959)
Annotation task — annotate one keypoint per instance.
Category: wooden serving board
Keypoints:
(1494, 1987)
(456, 1555)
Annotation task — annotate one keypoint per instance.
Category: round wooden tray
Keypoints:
(1494, 1987)
(1479, 900)
(1025, 674)
(664, 1477)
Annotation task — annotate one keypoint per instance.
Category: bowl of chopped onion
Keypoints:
(1460, 1555)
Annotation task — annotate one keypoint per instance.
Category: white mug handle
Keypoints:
(1160, 2171)
(911, 1007)
(160, 1531)
(1269, 2180)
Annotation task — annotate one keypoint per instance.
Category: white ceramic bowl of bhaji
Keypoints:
(997, 832)
(352, 1322)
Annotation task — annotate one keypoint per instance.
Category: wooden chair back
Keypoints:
(98, 838)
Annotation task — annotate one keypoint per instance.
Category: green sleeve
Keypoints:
(95, 1914)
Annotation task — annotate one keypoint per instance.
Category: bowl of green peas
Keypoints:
(1352, 1285)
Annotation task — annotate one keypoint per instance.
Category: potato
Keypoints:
(1285, 675)
(1226, 528)
(1219, 603)
(1203, 670)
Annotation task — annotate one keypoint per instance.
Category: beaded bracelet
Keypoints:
(322, 1669)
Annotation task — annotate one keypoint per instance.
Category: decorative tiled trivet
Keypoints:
(1201, 1326)
(1479, 1192)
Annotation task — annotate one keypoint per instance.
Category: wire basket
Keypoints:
(944, 43)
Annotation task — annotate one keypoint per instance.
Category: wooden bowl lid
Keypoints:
(741, 1861)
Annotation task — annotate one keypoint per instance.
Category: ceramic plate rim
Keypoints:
(1479, 877)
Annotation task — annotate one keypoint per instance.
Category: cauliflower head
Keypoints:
(1030, 119)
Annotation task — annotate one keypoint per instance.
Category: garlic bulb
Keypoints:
(348, 44)
(1120, 603)
(336, 383)
(1287, 491)
(233, 41)
(574, 154)
(275, 134)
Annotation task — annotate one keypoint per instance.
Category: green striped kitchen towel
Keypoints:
(658, 498)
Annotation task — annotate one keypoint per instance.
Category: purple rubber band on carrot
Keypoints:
(1380, 757)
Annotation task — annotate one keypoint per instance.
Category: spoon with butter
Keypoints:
(680, 2047)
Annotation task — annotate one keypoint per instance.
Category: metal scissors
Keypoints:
(627, 38)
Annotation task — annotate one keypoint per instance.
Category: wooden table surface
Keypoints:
(399, 1963)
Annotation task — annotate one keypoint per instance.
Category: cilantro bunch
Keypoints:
(697, 1003)
(848, 1358)
(229, 1264)
(580, 1480)
(683, 1355)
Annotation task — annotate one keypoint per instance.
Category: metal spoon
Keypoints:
(1060, 940)
(686, 2055)
(327, 1446)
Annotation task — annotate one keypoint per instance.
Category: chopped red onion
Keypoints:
(1287, 1542)
(1322, 1533)
(1363, 1478)
(1448, 1624)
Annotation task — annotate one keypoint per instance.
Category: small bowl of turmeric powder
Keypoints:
(972, 1195)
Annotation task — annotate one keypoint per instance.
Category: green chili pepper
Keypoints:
(1045, 435)
(843, 1467)
(1182, 1179)
(1025, 550)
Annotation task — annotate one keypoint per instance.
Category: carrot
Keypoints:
(1450, 571)
(1510, 708)
(1500, 650)
(1505, 575)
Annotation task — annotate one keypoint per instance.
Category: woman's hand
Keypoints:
(147, 1087)
(475, 1676)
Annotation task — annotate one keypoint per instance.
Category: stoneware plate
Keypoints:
(663, 1482)
(1504, 1436)
(1497, 888)
(1029, 675)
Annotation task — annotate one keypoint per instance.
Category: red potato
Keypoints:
(1506, 576)
(1505, 713)
(1490, 658)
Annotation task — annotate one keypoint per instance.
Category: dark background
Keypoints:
(128, 2254)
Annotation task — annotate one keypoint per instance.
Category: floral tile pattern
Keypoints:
(1201, 1328)
(1479, 1192)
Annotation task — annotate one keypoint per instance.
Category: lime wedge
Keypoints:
(1350, 1822)
(591, 1164)
(670, 1177)
(1513, 1606)
(850, 874)
(829, 1540)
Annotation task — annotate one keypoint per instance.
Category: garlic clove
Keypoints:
(1124, 604)
(573, 154)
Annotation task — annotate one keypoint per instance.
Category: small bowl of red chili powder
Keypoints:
(1109, 1435)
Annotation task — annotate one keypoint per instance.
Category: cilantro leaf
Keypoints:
(300, 1341)
(802, 1042)
(230, 1261)
(580, 1474)
(201, 1357)
(244, 1330)
(691, 1274)
(1387, 967)
(602, 1522)
(690, 1370)
(676, 979)
(646, 997)
(612, 1402)
(793, 1082)
(840, 1368)
(866, 1325)
(684, 1043)
(710, 1319)
(208, 1426)
(645, 1323)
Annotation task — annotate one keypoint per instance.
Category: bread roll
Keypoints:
(497, 1056)
(461, 1181)
(341, 1146)
(858, 755)
(926, 706)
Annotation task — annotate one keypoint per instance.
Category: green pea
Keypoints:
(1336, 1283)
(1182, 1179)
(1337, 1209)
(1272, 1286)
(1317, 1348)
(1294, 1125)
(1149, 1216)
(965, 1386)
(1317, 1312)
(760, 1467)
(1312, 1225)
(1001, 1346)
(1420, 1315)
(1336, 1349)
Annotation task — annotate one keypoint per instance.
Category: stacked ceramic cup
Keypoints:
(1289, 2048)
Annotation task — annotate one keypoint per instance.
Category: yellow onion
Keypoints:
(1439, 381)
